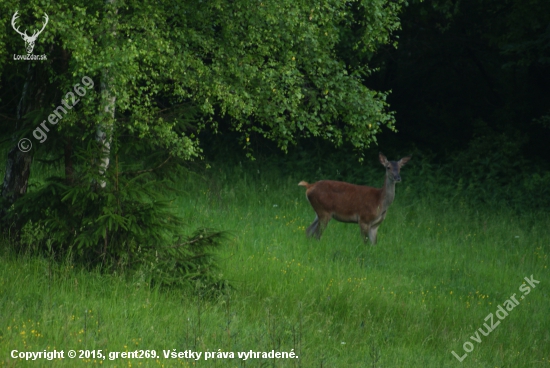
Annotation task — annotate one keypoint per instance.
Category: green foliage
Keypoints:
(494, 171)
(269, 68)
(126, 225)
(189, 264)
(543, 120)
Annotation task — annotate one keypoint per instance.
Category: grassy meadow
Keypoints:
(440, 267)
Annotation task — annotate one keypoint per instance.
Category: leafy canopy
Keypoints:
(176, 68)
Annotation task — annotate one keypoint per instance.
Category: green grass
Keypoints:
(439, 268)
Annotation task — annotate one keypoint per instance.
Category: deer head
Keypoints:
(29, 40)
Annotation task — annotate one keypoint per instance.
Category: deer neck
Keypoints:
(388, 193)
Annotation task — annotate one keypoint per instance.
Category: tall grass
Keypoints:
(440, 267)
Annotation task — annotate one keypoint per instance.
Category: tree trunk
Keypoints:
(18, 165)
(105, 127)
(69, 168)
(16, 178)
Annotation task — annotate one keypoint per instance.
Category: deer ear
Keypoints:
(383, 159)
(403, 161)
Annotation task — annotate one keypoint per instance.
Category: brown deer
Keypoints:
(347, 202)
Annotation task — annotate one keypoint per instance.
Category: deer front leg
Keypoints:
(365, 230)
(372, 234)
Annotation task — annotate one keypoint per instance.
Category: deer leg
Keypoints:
(317, 226)
(372, 234)
(313, 228)
(323, 222)
(365, 230)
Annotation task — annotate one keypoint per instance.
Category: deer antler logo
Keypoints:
(29, 40)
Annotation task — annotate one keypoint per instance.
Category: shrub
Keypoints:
(128, 225)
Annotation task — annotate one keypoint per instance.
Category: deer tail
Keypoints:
(304, 184)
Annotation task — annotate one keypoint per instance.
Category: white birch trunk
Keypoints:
(104, 132)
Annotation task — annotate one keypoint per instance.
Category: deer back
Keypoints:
(345, 201)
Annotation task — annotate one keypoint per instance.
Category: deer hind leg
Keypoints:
(313, 228)
(323, 222)
(317, 227)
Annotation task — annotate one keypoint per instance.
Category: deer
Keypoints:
(352, 203)
(29, 40)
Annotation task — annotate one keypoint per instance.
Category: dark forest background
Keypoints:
(474, 76)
